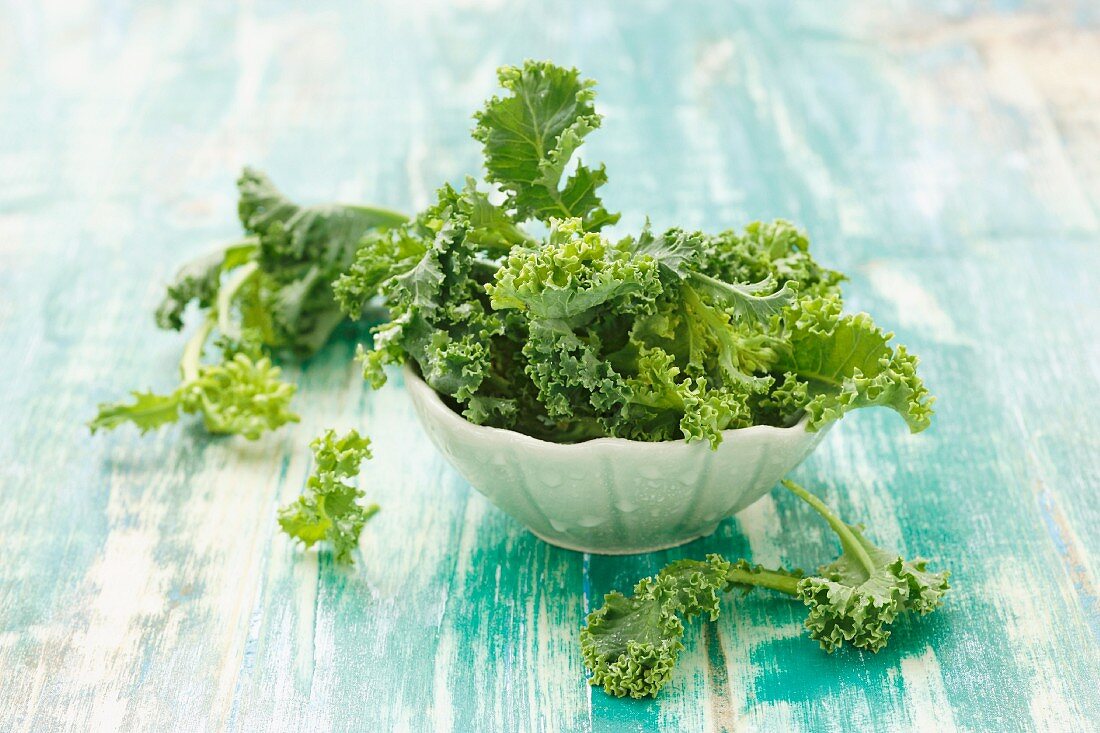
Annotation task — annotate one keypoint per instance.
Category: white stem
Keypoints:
(225, 298)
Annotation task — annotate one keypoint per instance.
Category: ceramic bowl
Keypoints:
(610, 495)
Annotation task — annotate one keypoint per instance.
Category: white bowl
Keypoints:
(610, 495)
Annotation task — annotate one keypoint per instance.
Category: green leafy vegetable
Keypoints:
(567, 335)
(329, 508)
(531, 135)
(301, 251)
(847, 363)
(576, 334)
(855, 598)
(631, 644)
(241, 395)
(266, 295)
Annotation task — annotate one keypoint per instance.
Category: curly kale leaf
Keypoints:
(662, 405)
(267, 294)
(848, 363)
(329, 508)
(677, 252)
(631, 644)
(764, 251)
(242, 395)
(380, 257)
(857, 597)
(237, 397)
(301, 251)
(570, 276)
(571, 379)
(680, 255)
(439, 311)
(530, 136)
(293, 236)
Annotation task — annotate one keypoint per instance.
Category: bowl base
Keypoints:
(625, 550)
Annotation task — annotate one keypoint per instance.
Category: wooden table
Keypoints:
(947, 157)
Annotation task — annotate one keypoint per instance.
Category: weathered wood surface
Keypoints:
(947, 155)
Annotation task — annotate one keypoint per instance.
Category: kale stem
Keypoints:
(232, 286)
(851, 544)
(192, 351)
(385, 217)
(765, 579)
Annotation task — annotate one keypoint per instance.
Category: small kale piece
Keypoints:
(329, 509)
(631, 644)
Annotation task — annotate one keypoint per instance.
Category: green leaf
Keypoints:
(572, 274)
(530, 136)
(680, 255)
(491, 228)
(676, 251)
(857, 597)
(381, 256)
(664, 404)
(301, 251)
(849, 364)
(744, 299)
(768, 252)
(571, 379)
(199, 281)
(328, 509)
(239, 396)
(148, 411)
(424, 281)
(295, 235)
(631, 644)
(697, 584)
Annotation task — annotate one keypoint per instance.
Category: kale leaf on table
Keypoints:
(329, 508)
(631, 644)
(265, 295)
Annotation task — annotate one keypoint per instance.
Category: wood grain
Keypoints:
(946, 155)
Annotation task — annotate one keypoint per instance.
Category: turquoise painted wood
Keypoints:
(945, 154)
